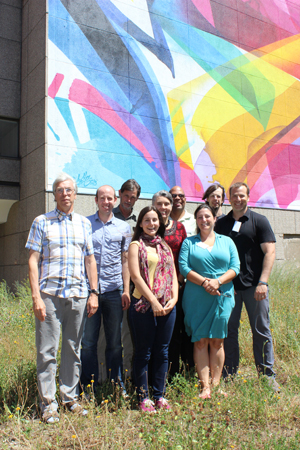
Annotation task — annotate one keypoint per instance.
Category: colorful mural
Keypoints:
(176, 92)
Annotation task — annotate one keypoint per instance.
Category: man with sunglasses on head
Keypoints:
(179, 213)
(61, 250)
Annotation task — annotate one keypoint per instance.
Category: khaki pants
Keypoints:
(65, 313)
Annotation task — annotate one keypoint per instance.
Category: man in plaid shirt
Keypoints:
(61, 249)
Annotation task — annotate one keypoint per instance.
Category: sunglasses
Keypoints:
(178, 195)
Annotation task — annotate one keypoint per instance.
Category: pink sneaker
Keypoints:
(147, 406)
(162, 403)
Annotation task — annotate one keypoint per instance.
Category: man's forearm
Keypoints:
(268, 262)
(267, 267)
(38, 304)
(91, 270)
(125, 272)
(34, 277)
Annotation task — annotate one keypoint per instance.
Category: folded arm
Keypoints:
(134, 269)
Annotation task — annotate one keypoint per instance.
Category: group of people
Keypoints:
(172, 282)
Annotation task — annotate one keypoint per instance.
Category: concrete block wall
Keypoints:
(25, 21)
(10, 57)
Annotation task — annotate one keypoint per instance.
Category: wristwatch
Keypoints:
(94, 291)
(263, 282)
(220, 282)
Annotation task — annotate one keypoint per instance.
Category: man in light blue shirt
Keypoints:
(111, 238)
(61, 250)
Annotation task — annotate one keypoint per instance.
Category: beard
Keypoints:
(216, 209)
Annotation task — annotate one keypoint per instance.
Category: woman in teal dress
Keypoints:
(209, 262)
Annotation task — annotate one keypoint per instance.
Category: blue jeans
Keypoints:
(110, 306)
(151, 337)
(258, 313)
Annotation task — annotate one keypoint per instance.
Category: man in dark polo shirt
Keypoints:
(214, 196)
(129, 193)
(255, 242)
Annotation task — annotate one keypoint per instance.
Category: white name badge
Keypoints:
(236, 227)
(201, 245)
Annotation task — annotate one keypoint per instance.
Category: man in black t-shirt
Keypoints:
(255, 242)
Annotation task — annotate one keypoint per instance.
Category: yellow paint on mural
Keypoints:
(179, 133)
(281, 53)
(213, 113)
(235, 125)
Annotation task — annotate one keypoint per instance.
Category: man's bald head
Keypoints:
(179, 199)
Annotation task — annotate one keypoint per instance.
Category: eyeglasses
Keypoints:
(60, 191)
(178, 195)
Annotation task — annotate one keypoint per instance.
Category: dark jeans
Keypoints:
(151, 336)
(180, 345)
(258, 313)
(110, 305)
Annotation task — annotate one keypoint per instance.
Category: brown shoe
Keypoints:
(75, 408)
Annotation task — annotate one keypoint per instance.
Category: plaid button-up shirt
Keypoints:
(63, 242)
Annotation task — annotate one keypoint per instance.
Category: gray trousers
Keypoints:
(67, 314)
(258, 313)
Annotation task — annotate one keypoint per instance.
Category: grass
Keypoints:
(251, 417)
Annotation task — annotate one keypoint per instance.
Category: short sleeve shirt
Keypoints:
(255, 230)
(131, 220)
(189, 222)
(63, 241)
(110, 240)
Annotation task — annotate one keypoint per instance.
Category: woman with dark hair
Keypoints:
(175, 234)
(210, 263)
(152, 311)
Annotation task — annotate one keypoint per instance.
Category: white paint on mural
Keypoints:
(79, 122)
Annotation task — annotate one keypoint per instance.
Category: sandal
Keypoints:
(50, 417)
(222, 393)
(205, 394)
(76, 408)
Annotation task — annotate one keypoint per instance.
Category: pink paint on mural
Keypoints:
(55, 85)
(205, 9)
(190, 182)
(90, 98)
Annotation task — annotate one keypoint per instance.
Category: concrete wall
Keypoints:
(10, 57)
(25, 25)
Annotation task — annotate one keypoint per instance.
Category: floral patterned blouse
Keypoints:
(174, 237)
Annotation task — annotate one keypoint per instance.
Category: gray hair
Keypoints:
(63, 177)
(162, 193)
